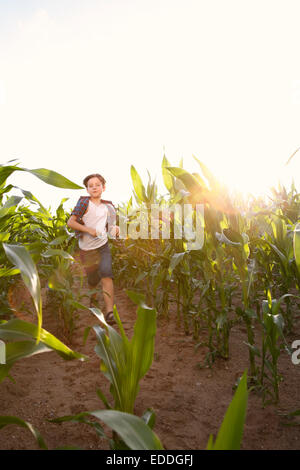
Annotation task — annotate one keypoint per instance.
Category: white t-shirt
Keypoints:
(95, 217)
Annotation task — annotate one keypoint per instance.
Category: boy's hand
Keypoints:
(92, 231)
(115, 231)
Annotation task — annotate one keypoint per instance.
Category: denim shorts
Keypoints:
(97, 264)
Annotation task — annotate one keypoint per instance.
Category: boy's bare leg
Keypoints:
(108, 293)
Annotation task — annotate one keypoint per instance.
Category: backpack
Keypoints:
(81, 207)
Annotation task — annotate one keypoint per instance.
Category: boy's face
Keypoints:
(95, 187)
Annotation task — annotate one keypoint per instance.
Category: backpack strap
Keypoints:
(81, 208)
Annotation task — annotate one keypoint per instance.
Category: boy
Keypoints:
(93, 218)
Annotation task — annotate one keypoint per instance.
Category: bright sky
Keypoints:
(97, 85)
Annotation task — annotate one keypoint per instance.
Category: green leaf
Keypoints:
(12, 202)
(111, 350)
(21, 349)
(138, 185)
(233, 236)
(231, 431)
(6, 420)
(142, 345)
(137, 298)
(4, 236)
(56, 252)
(149, 417)
(48, 176)
(59, 240)
(6, 171)
(20, 257)
(281, 255)
(103, 399)
(4, 370)
(4, 272)
(175, 260)
(213, 183)
(81, 418)
(296, 244)
(167, 178)
(132, 429)
(190, 182)
(125, 362)
(16, 329)
(53, 178)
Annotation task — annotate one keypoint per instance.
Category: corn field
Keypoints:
(245, 274)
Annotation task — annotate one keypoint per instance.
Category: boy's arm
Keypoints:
(72, 223)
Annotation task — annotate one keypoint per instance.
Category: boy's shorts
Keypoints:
(97, 264)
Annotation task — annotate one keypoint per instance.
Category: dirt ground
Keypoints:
(189, 401)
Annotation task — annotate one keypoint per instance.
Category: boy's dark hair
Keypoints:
(94, 175)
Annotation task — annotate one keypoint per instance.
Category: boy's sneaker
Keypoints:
(110, 319)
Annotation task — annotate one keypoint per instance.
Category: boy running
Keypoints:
(93, 218)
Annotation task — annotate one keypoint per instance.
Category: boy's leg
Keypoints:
(90, 261)
(105, 269)
(108, 293)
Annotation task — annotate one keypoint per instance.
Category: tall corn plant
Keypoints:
(272, 342)
(23, 339)
(23, 225)
(124, 362)
(238, 246)
(136, 434)
(36, 339)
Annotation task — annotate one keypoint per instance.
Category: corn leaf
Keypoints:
(16, 329)
(213, 183)
(6, 171)
(297, 246)
(139, 354)
(132, 429)
(6, 420)
(48, 176)
(53, 178)
(21, 349)
(4, 272)
(56, 252)
(20, 257)
(188, 179)
(231, 431)
(167, 178)
(138, 185)
(112, 354)
(125, 362)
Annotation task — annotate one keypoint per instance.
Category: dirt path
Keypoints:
(190, 402)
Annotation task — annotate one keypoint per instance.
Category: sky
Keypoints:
(100, 85)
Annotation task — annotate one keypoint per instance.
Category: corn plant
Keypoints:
(129, 431)
(25, 339)
(238, 247)
(124, 362)
(281, 242)
(231, 430)
(63, 300)
(272, 343)
(136, 433)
